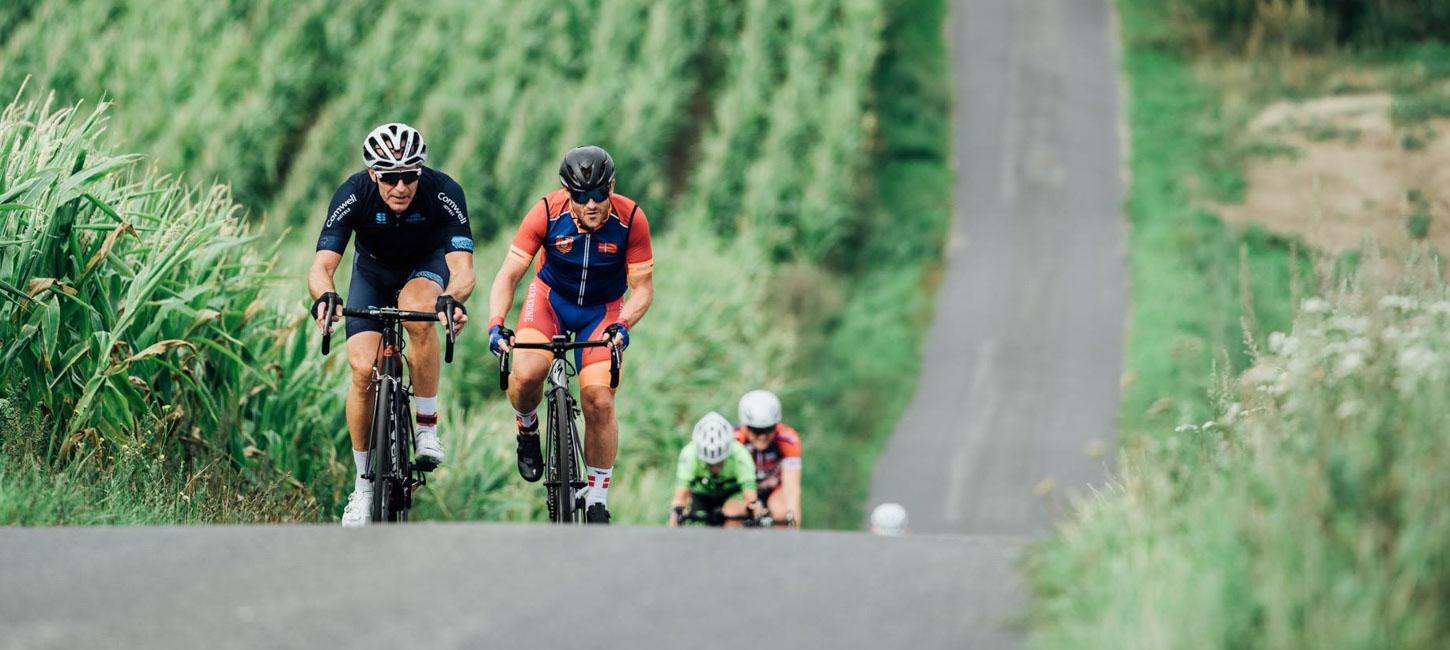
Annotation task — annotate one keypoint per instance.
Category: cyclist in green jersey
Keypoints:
(715, 474)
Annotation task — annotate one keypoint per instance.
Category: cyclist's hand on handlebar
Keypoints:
(500, 338)
(617, 335)
(319, 309)
(758, 509)
(460, 313)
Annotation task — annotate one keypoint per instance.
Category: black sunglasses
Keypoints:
(393, 178)
(598, 195)
(761, 432)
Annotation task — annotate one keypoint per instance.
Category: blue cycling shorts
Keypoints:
(375, 284)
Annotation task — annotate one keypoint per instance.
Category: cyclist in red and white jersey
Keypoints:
(776, 449)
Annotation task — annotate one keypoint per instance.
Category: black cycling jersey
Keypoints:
(437, 219)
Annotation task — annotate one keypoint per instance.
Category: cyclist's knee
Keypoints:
(362, 373)
(528, 369)
(597, 400)
(420, 333)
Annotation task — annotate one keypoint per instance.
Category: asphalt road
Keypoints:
(1019, 385)
(496, 586)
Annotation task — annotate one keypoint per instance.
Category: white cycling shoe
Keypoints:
(359, 509)
(429, 450)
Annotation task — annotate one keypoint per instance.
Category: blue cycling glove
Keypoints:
(622, 330)
(496, 334)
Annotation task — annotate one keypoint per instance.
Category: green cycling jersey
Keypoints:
(737, 475)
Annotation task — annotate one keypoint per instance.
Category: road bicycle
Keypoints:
(713, 518)
(390, 441)
(563, 455)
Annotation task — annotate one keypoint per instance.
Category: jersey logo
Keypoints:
(564, 244)
(606, 247)
(382, 217)
(414, 218)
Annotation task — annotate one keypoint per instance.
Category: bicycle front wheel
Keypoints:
(382, 448)
(561, 458)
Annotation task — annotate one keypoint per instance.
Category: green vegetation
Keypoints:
(1273, 490)
(1311, 512)
(789, 155)
(1195, 281)
(135, 318)
(1259, 26)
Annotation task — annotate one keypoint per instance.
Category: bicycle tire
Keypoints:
(403, 452)
(561, 412)
(381, 442)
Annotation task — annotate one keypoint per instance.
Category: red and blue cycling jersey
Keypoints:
(585, 268)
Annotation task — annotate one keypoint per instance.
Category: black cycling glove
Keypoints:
(331, 299)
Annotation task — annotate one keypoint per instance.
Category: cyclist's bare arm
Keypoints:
(505, 283)
(461, 282)
(790, 482)
(320, 278)
(641, 295)
(681, 499)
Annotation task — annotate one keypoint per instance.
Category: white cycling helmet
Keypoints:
(760, 409)
(888, 519)
(712, 436)
(394, 146)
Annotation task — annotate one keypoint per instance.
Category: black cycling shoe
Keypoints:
(597, 514)
(531, 459)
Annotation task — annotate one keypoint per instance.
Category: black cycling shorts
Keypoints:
(375, 284)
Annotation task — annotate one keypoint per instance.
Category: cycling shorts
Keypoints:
(375, 284)
(546, 314)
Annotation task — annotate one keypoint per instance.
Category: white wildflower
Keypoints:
(1348, 365)
(1315, 306)
(1415, 363)
(1234, 411)
(1276, 341)
(1349, 409)
(1401, 303)
(1185, 428)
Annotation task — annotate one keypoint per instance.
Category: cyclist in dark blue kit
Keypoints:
(414, 252)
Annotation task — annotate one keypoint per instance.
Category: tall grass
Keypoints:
(137, 313)
(1313, 511)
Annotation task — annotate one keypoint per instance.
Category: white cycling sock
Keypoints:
(360, 459)
(426, 413)
(528, 420)
(598, 486)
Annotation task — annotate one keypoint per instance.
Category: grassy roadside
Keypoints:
(1195, 282)
(1278, 485)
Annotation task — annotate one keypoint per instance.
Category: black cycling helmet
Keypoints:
(586, 168)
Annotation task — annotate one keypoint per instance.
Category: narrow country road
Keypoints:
(1019, 383)
(1019, 388)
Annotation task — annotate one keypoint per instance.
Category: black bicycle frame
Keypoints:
(562, 456)
(390, 442)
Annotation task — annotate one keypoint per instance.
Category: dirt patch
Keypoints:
(1352, 179)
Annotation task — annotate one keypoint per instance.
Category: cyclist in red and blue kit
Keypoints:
(592, 246)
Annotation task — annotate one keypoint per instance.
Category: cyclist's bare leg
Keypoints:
(362, 349)
(526, 383)
(601, 431)
(777, 505)
(733, 508)
(421, 294)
